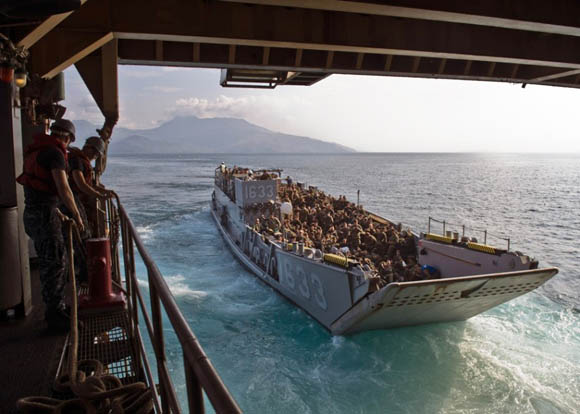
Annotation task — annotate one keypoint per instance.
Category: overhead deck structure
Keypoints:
(522, 41)
(265, 43)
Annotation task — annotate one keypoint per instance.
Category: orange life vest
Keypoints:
(76, 153)
(34, 175)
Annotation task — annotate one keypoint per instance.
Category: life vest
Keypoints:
(76, 153)
(34, 175)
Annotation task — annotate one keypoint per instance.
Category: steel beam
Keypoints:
(530, 15)
(110, 104)
(554, 76)
(43, 28)
(61, 49)
(99, 72)
(447, 34)
(141, 52)
(75, 37)
(268, 26)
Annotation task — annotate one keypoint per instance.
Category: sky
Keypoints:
(366, 113)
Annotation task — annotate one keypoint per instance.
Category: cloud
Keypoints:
(222, 106)
(264, 110)
(140, 72)
(163, 89)
(174, 69)
(85, 108)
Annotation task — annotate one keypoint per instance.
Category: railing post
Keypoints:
(108, 221)
(485, 237)
(508, 240)
(158, 341)
(429, 226)
(199, 372)
(463, 231)
(134, 285)
(126, 268)
(133, 278)
(444, 228)
(194, 391)
(101, 218)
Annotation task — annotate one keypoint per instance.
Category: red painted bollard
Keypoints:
(101, 293)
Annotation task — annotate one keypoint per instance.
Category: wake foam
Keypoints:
(145, 232)
(178, 287)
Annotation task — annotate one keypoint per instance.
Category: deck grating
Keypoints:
(104, 337)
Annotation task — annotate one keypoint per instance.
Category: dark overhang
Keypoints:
(303, 41)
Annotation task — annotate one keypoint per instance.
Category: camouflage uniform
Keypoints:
(44, 227)
(81, 270)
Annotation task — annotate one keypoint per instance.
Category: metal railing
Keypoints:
(200, 374)
(463, 228)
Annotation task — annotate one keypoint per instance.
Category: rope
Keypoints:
(97, 393)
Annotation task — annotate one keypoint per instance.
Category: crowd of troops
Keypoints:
(337, 226)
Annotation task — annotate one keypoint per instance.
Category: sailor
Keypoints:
(45, 184)
(85, 193)
(81, 179)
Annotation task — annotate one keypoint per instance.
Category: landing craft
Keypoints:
(346, 296)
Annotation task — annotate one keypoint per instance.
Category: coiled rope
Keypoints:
(96, 391)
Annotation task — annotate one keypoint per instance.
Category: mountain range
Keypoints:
(189, 134)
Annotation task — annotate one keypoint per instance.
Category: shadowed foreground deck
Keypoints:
(29, 355)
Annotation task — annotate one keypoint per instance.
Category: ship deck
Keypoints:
(29, 354)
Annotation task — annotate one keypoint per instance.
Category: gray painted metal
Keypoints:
(441, 300)
(338, 298)
(322, 290)
(250, 192)
(453, 260)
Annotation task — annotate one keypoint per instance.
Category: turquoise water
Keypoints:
(521, 357)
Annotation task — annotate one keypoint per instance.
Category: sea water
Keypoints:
(521, 357)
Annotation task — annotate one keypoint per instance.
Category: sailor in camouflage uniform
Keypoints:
(45, 184)
(85, 192)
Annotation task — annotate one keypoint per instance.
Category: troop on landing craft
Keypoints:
(353, 270)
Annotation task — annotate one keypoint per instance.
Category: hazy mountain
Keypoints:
(189, 134)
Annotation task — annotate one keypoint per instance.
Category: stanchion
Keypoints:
(101, 293)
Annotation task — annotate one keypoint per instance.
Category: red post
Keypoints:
(101, 293)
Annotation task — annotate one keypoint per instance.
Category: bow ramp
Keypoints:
(442, 300)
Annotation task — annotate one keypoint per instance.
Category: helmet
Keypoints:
(97, 143)
(64, 125)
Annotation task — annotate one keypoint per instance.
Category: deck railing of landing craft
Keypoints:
(200, 374)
